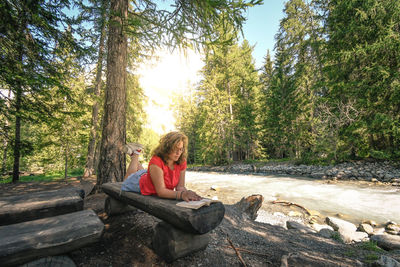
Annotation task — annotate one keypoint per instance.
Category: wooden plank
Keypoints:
(198, 221)
(27, 241)
(32, 206)
(170, 243)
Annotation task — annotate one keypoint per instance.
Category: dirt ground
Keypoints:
(127, 239)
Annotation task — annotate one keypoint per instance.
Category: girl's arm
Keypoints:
(181, 184)
(185, 194)
(157, 177)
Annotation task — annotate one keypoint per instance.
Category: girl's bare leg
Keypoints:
(134, 165)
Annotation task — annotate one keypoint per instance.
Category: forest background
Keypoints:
(70, 97)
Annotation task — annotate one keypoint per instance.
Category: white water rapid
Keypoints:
(358, 202)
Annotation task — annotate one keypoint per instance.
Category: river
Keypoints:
(356, 201)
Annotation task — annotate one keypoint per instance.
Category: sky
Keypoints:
(174, 73)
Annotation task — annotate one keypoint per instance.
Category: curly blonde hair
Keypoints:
(168, 143)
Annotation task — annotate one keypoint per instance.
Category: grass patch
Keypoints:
(371, 246)
(370, 258)
(336, 236)
(48, 177)
(350, 253)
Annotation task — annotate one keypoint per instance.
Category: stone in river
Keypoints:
(388, 242)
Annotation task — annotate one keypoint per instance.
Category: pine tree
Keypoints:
(101, 16)
(291, 94)
(189, 24)
(362, 63)
(31, 34)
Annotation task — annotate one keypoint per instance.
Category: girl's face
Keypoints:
(176, 151)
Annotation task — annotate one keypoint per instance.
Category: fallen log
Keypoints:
(198, 221)
(27, 241)
(32, 206)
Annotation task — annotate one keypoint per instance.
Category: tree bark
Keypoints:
(90, 161)
(6, 138)
(112, 159)
(17, 141)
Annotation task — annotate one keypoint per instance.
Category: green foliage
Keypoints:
(372, 257)
(36, 40)
(336, 236)
(371, 246)
(363, 75)
(288, 124)
(332, 94)
(135, 116)
(220, 118)
(149, 139)
(50, 176)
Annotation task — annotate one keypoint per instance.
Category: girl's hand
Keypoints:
(190, 196)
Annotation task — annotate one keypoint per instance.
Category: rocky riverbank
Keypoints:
(384, 171)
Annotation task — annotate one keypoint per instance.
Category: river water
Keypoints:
(356, 201)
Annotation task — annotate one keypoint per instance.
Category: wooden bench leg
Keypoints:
(170, 243)
(115, 207)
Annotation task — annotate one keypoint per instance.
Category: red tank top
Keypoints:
(171, 177)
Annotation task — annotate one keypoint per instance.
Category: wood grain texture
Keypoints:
(27, 241)
(170, 243)
(32, 206)
(199, 221)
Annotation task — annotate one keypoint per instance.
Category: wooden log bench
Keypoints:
(182, 231)
(26, 241)
(31, 206)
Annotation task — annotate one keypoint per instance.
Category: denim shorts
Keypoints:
(132, 182)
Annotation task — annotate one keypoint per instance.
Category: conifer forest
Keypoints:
(70, 98)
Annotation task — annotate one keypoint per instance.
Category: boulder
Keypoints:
(352, 236)
(386, 261)
(366, 228)
(388, 242)
(326, 232)
(61, 261)
(392, 228)
(318, 227)
(300, 227)
(339, 224)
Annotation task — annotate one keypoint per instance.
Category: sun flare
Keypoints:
(173, 73)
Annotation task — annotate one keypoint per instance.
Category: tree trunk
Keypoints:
(90, 161)
(18, 102)
(66, 161)
(17, 141)
(112, 159)
(17, 136)
(6, 138)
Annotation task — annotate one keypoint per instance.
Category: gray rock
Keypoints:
(352, 236)
(386, 261)
(339, 224)
(326, 232)
(379, 231)
(366, 228)
(388, 242)
(392, 228)
(300, 227)
(317, 175)
(318, 227)
(61, 261)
